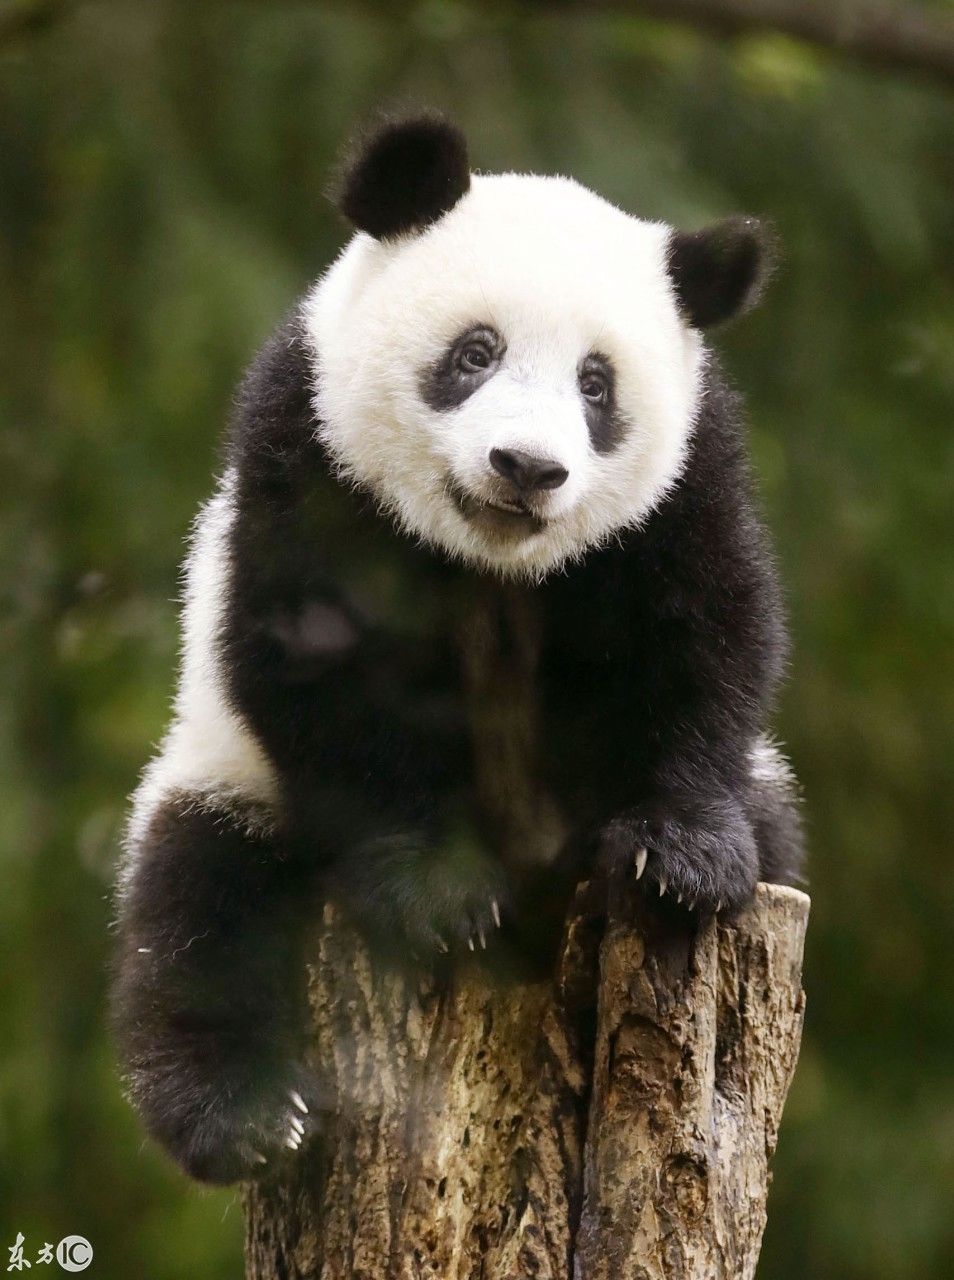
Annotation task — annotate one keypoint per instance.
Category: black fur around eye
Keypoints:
(467, 363)
(596, 379)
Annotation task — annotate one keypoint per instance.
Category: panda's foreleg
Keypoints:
(419, 896)
(208, 990)
(697, 845)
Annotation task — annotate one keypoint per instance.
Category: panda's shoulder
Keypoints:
(717, 449)
(713, 492)
(274, 413)
(706, 529)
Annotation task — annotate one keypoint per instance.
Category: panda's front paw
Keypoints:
(235, 1126)
(410, 897)
(702, 853)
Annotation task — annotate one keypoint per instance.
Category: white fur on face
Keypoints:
(559, 273)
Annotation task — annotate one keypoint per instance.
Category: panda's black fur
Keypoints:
(402, 175)
(642, 675)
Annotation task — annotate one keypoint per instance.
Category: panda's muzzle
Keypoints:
(509, 515)
(512, 502)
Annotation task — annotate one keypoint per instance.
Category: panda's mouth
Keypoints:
(509, 508)
(508, 516)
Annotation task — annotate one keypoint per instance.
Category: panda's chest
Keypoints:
(504, 695)
(499, 638)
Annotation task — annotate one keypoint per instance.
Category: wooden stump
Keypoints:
(614, 1123)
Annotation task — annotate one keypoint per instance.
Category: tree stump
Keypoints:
(616, 1121)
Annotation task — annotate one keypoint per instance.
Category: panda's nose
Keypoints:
(525, 471)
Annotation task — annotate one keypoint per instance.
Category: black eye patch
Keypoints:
(596, 379)
(467, 363)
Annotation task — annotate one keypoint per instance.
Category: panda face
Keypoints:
(515, 382)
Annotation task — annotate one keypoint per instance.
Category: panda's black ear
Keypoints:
(403, 175)
(720, 271)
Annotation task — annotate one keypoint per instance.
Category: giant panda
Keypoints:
(481, 592)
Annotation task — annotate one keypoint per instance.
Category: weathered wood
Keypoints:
(696, 1046)
(616, 1122)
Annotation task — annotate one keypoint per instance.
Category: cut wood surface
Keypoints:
(617, 1121)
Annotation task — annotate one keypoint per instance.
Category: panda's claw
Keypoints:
(298, 1101)
(679, 899)
(258, 1158)
(663, 883)
(294, 1133)
(642, 857)
(495, 911)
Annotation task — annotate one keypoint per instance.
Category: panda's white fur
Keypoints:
(208, 752)
(560, 273)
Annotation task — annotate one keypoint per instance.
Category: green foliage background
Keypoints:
(161, 205)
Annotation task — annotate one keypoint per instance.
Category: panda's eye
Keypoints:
(476, 356)
(596, 380)
(593, 387)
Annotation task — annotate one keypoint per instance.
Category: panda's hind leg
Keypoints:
(208, 990)
(773, 809)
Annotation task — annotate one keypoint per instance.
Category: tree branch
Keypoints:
(900, 37)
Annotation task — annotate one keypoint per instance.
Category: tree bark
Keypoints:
(616, 1121)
